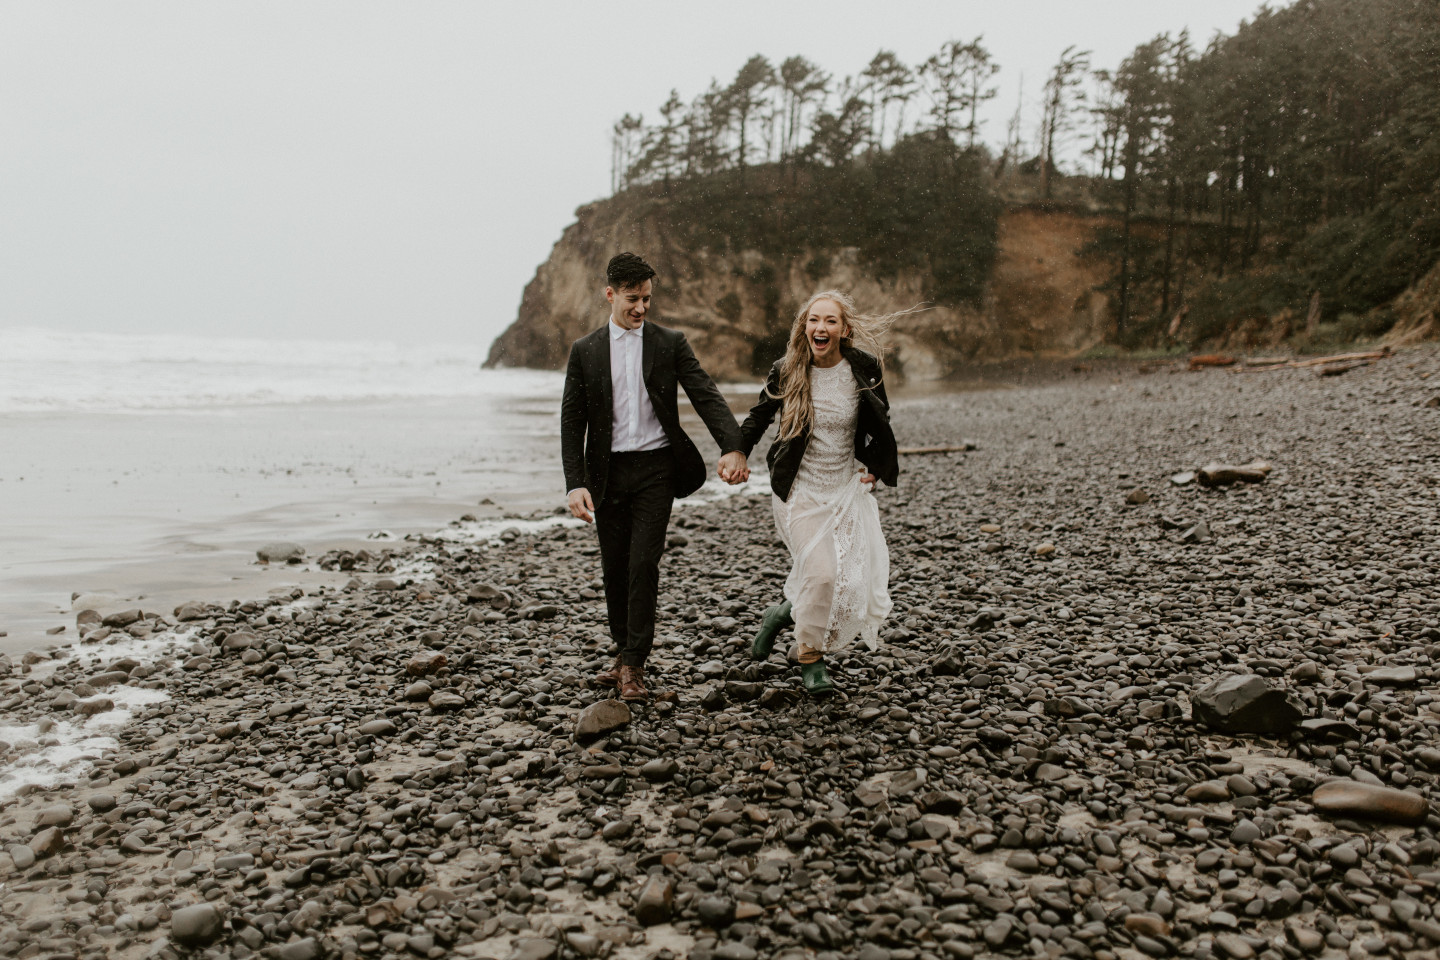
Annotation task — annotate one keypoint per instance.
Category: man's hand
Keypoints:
(732, 468)
(581, 505)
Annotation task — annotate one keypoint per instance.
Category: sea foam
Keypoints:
(51, 751)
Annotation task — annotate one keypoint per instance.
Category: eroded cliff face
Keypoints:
(736, 309)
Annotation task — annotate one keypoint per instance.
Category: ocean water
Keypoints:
(45, 372)
(142, 468)
(146, 470)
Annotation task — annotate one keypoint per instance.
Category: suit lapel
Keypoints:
(648, 347)
(602, 370)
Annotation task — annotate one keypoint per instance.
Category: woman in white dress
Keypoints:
(834, 443)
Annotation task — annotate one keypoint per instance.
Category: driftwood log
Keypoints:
(1222, 474)
(1347, 361)
(1335, 369)
(1204, 360)
(1342, 358)
(942, 448)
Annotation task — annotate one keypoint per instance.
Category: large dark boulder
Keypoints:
(1246, 703)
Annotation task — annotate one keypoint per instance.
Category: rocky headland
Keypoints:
(1115, 715)
(736, 305)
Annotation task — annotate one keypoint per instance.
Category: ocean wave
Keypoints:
(46, 372)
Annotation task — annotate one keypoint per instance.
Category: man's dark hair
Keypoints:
(627, 270)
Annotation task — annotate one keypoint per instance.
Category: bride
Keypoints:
(834, 443)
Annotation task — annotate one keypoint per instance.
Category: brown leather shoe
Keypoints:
(609, 678)
(632, 684)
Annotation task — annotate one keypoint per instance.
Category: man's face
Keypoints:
(629, 305)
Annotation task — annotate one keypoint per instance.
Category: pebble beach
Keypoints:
(1116, 713)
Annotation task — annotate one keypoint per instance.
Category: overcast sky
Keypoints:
(396, 170)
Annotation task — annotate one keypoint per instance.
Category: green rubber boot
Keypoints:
(777, 618)
(817, 679)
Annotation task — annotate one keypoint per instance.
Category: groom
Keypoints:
(626, 458)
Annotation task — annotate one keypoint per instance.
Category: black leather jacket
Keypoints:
(874, 440)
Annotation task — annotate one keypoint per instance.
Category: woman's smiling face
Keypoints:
(824, 328)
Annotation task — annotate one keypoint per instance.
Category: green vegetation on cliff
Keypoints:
(922, 204)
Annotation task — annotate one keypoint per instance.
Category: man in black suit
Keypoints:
(626, 458)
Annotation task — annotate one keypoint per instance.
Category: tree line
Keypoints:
(799, 113)
(1308, 143)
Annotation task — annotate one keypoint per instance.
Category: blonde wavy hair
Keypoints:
(866, 331)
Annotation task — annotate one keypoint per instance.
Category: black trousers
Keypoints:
(631, 520)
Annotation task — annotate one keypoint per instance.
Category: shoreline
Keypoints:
(392, 768)
(213, 557)
(222, 575)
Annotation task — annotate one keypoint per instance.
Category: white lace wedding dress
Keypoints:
(838, 587)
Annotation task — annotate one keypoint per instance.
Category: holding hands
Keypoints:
(732, 468)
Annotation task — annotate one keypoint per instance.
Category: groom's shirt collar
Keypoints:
(617, 331)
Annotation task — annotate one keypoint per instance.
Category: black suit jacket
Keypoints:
(586, 410)
(874, 440)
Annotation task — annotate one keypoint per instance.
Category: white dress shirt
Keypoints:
(634, 424)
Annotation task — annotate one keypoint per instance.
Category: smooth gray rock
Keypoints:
(196, 925)
(58, 815)
(655, 901)
(1392, 676)
(306, 949)
(601, 717)
(532, 948)
(281, 552)
(1199, 533)
(190, 610)
(445, 700)
(1325, 730)
(123, 618)
(234, 861)
(907, 782)
(21, 855)
(376, 728)
(1355, 799)
(47, 842)
(716, 911)
(660, 770)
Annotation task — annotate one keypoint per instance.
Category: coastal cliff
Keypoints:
(736, 306)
